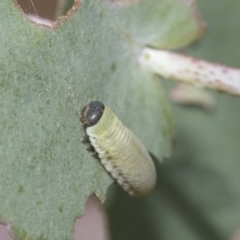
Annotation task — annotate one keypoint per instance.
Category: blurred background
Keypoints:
(45, 9)
(198, 191)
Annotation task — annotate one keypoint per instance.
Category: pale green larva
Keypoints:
(119, 151)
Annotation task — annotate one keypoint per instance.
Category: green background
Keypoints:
(198, 191)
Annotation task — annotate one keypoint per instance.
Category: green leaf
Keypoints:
(47, 75)
(198, 195)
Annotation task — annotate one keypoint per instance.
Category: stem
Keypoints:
(187, 95)
(192, 71)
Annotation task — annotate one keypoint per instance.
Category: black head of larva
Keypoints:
(91, 113)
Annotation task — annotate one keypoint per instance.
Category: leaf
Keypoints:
(197, 195)
(46, 76)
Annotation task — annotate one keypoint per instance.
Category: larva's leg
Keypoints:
(90, 148)
(95, 155)
(85, 138)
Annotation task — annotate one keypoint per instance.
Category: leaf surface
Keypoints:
(46, 77)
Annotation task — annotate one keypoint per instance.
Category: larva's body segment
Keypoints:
(121, 153)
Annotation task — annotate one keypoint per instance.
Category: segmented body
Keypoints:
(122, 154)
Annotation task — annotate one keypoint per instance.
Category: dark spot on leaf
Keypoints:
(60, 208)
(113, 67)
(21, 189)
(39, 203)
(31, 167)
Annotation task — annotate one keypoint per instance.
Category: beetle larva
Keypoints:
(119, 151)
